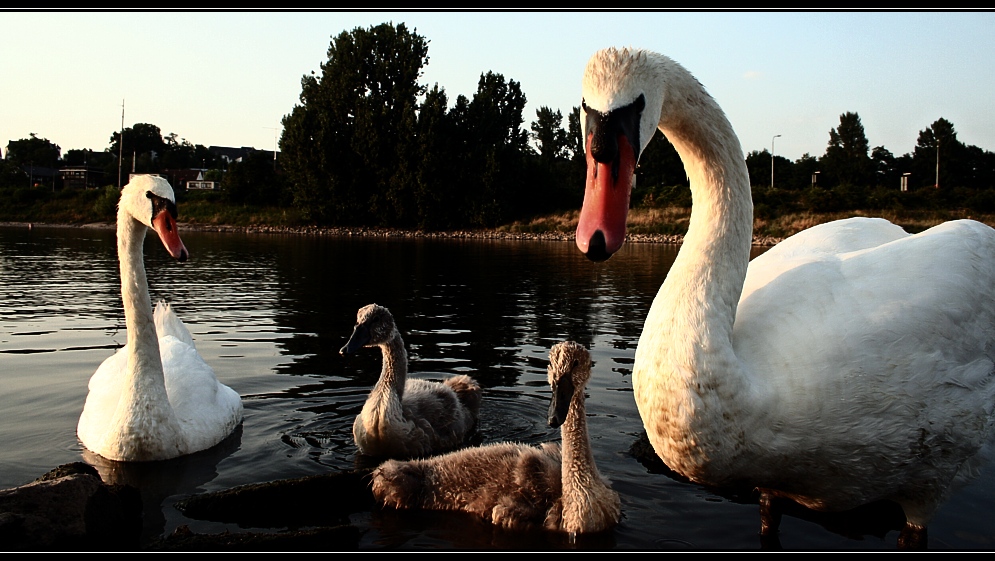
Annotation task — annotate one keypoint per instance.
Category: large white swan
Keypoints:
(852, 362)
(514, 485)
(155, 398)
(408, 417)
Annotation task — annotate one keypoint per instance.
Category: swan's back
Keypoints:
(206, 410)
(886, 345)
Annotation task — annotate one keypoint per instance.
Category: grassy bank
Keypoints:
(674, 221)
(210, 210)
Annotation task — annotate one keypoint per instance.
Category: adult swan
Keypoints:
(850, 363)
(156, 398)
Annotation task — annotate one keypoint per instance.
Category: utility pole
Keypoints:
(275, 129)
(772, 160)
(120, 145)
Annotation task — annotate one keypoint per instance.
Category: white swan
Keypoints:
(513, 485)
(851, 363)
(155, 398)
(408, 417)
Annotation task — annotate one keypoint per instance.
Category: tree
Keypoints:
(143, 146)
(182, 154)
(980, 167)
(491, 146)
(140, 139)
(435, 183)
(846, 161)
(938, 150)
(253, 181)
(884, 164)
(549, 136)
(12, 176)
(758, 166)
(33, 151)
(348, 146)
(803, 173)
(575, 138)
(660, 178)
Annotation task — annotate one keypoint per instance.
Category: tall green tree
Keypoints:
(12, 176)
(140, 139)
(549, 136)
(575, 138)
(254, 181)
(347, 147)
(493, 146)
(33, 151)
(885, 166)
(557, 176)
(660, 178)
(803, 173)
(436, 186)
(846, 161)
(939, 151)
(182, 154)
(980, 167)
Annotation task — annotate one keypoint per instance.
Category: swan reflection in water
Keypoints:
(158, 481)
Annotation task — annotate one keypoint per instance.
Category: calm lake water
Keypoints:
(269, 313)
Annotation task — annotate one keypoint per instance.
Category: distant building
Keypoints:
(202, 185)
(229, 154)
(184, 179)
(41, 176)
(82, 177)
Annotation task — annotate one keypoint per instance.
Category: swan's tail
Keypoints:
(467, 390)
(168, 323)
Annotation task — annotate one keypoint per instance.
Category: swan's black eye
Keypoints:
(605, 129)
(160, 204)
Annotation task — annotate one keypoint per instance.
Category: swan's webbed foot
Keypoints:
(912, 536)
(770, 521)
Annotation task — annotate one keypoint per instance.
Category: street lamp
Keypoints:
(772, 160)
(276, 131)
(937, 186)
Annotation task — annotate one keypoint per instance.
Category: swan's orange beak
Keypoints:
(165, 225)
(601, 227)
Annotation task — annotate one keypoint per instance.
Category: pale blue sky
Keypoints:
(228, 78)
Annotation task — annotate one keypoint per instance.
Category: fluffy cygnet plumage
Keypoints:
(515, 485)
(408, 417)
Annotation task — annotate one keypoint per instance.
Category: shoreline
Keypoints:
(675, 239)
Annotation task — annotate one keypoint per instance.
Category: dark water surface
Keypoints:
(269, 313)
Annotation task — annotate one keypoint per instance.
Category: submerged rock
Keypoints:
(70, 509)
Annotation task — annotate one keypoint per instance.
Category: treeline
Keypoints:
(371, 145)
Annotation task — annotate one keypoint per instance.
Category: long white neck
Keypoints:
(685, 355)
(142, 339)
(144, 420)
